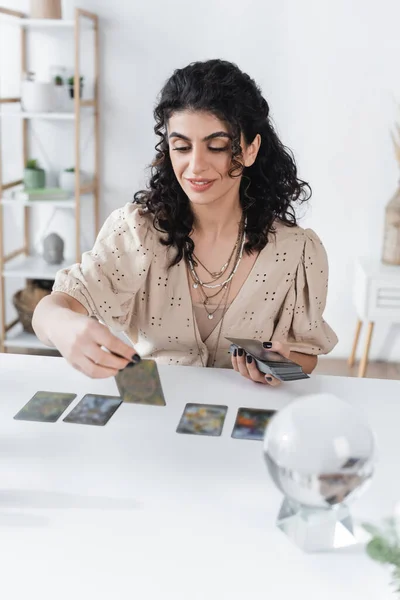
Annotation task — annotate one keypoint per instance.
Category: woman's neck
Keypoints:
(216, 221)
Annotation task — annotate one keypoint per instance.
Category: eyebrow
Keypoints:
(217, 134)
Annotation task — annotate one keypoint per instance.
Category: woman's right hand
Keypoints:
(80, 338)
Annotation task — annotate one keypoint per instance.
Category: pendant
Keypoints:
(210, 317)
(195, 285)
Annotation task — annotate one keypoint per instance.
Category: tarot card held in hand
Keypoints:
(251, 423)
(46, 407)
(202, 419)
(140, 383)
(94, 409)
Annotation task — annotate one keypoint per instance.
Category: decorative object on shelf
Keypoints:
(46, 193)
(45, 9)
(67, 179)
(58, 75)
(26, 300)
(71, 83)
(391, 241)
(319, 452)
(53, 249)
(38, 96)
(34, 176)
(384, 546)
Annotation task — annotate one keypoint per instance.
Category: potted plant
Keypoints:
(34, 176)
(60, 92)
(384, 547)
(67, 179)
(71, 83)
(391, 240)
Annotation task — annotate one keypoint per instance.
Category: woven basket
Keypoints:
(25, 302)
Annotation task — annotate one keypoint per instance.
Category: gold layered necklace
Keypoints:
(223, 287)
(239, 246)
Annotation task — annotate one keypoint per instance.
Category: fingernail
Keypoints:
(240, 352)
(235, 352)
(136, 358)
(268, 378)
(267, 344)
(249, 359)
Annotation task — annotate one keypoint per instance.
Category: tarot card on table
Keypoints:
(46, 407)
(251, 423)
(202, 419)
(94, 409)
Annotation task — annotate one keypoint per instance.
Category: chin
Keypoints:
(202, 201)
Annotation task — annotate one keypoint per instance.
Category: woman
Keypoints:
(210, 250)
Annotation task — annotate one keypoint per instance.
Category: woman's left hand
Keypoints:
(245, 365)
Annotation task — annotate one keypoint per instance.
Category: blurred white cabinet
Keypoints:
(376, 297)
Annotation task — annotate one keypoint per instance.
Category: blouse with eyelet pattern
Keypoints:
(125, 282)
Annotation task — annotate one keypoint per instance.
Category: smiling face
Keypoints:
(201, 155)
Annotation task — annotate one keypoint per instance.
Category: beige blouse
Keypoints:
(125, 282)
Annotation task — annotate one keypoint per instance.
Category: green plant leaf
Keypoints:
(32, 164)
(378, 549)
(372, 529)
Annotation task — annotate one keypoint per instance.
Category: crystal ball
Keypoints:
(319, 451)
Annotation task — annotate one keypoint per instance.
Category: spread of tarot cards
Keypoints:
(140, 384)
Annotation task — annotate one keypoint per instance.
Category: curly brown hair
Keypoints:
(268, 189)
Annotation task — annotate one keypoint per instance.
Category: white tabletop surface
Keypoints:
(134, 510)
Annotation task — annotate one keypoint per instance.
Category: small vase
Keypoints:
(34, 179)
(391, 243)
(72, 90)
(45, 9)
(38, 96)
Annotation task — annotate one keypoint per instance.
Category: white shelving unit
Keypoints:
(19, 263)
(67, 203)
(18, 338)
(24, 266)
(53, 116)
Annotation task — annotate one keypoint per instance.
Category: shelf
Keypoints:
(87, 189)
(45, 23)
(18, 338)
(33, 267)
(54, 116)
(68, 203)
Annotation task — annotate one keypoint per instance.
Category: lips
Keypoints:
(200, 185)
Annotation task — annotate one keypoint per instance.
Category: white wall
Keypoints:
(329, 70)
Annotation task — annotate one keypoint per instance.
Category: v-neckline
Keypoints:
(232, 303)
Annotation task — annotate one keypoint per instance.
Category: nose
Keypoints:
(198, 162)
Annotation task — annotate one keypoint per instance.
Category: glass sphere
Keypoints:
(319, 451)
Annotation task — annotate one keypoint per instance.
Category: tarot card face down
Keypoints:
(46, 407)
(94, 409)
(268, 362)
(140, 383)
(202, 419)
(251, 423)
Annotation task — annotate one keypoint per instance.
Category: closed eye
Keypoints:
(187, 148)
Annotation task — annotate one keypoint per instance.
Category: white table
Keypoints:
(376, 297)
(135, 510)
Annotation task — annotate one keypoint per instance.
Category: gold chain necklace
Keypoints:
(217, 274)
(198, 281)
(218, 337)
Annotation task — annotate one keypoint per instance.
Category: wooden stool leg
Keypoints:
(352, 357)
(364, 360)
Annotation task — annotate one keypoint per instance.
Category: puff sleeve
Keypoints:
(110, 275)
(300, 322)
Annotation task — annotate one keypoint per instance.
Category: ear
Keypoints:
(251, 151)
